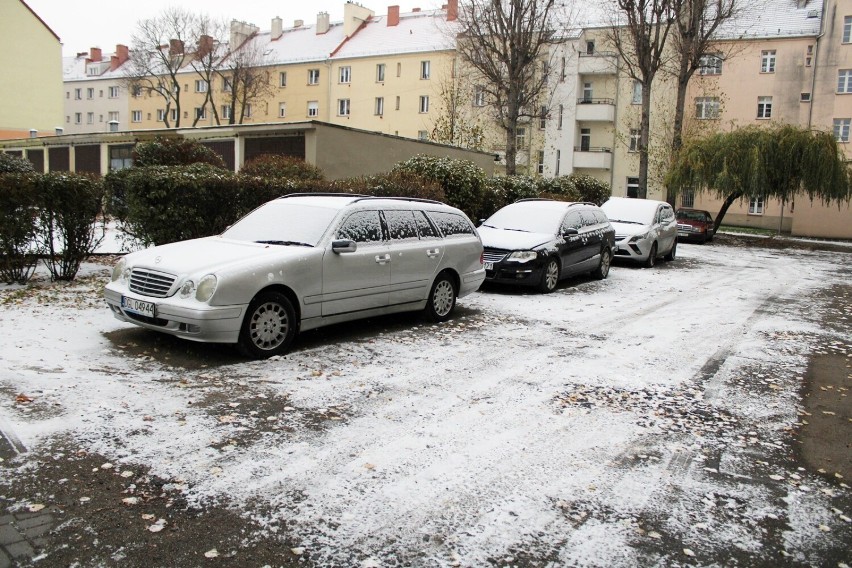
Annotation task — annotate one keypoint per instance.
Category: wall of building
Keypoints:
(31, 59)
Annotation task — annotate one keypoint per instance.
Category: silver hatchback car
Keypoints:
(301, 262)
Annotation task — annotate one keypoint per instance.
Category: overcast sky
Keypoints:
(82, 24)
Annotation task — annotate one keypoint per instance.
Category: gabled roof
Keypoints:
(416, 32)
(774, 18)
(48, 28)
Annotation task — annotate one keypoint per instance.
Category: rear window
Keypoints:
(452, 223)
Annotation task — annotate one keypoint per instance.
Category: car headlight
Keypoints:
(523, 256)
(206, 287)
(118, 269)
(639, 237)
(187, 289)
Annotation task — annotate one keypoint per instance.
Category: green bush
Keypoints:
(254, 191)
(174, 152)
(591, 189)
(18, 227)
(115, 193)
(463, 181)
(69, 205)
(10, 164)
(503, 190)
(272, 166)
(397, 183)
(164, 204)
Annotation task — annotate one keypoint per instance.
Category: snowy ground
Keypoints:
(648, 419)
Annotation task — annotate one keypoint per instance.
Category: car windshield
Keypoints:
(634, 211)
(282, 222)
(693, 215)
(528, 218)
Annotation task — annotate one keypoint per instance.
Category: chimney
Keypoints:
(240, 32)
(298, 23)
(354, 15)
(95, 54)
(175, 47)
(121, 55)
(415, 9)
(323, 23)
(452, 10)
(205, 45)
(277, 28)
(393, 16)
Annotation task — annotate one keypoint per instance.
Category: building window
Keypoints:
(478, 96)
(422, 135)
(710, 65)
(590, 47)
(755, 206)
(847, 29)
(540, 167)
(67, 119)
(112, 92)
(67, 94)
(174, 115)
(764, 107)
(90, 93)
(805, 97)
(633, 187)
(841, 129)
(136, 115)
(587, 92)
(706, 107)
(201, 86)
(380, 106)
(424, 70)
(200, 113)
(687, 198)
(78, 118)
(345, 74)
(809, 56)
(562, 70)
(634, 140)
(226, 85)
(558, 159)
(90, 118)
(767, 61)
(636, 99)
(397, 102)
(424, 103)
(282, 79)
(380, 72)
(226, 112)
(520, 137)
(559, 118)
(542, 118)
(135, 91)
(844, 81)
(313, 76)
(248, 112)
(78, 94)
(399, 69)
(342, 107)
(282, 110)
(161, 115)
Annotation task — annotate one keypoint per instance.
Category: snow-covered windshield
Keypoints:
(532, 217)
(625, 210)
(283, 222)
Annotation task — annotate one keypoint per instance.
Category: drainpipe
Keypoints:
(615, 125)
(816, 63)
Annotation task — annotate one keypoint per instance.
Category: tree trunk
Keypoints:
(721, 215)
(511, 148)
(680, 105)
(644, 137)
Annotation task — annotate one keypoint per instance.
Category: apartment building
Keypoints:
(96, 98)
(31, 58)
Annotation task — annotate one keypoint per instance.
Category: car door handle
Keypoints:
(383, 258)
(432, 253)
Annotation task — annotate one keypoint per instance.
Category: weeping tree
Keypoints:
(779, 162)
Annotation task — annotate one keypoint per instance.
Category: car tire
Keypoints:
(442, 298)
(269, 326)
(602, 270)
(672, 253)
(652, 257)
(549, 276)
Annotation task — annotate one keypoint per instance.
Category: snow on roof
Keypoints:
(75, 68)
(416, 32)
(297, 45)
(774, 18)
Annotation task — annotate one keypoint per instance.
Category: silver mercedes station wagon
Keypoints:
(301, 262)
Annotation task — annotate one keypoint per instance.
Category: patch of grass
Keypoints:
(748, 230)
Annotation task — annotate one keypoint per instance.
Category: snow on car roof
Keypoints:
(631, 209)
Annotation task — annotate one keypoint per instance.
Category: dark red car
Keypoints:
(694, 225)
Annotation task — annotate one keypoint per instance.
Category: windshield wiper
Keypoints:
(286, 243)
(628, 222)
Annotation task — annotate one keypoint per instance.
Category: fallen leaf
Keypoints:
(158, 526)
(127, 473)
(212, 553)
(824, 528)
(130, 500)
(23, 399)
(35, 508)
(149, 517)
(655, 534)
(688, 552)
(369, 466)
(298, 551)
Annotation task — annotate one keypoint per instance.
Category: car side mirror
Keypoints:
(342, 246)
(570, 232)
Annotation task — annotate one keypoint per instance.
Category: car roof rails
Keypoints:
(322, 194)
(415, 199)
(568, 203)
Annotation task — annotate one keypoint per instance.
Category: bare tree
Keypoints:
(640, 33)
(158, 56)
(207, 58)
(508, 44)
(696, 25)
(456, 123)
(244, 71)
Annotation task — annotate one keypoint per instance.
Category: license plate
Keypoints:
(489, 266)
(138, 306)
(682, 234)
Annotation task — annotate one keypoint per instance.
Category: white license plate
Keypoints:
(489, 266)
(682, 234)
(138, 306)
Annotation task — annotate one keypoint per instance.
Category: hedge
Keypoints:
(19, 250)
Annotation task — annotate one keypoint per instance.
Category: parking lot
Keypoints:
(691, 414)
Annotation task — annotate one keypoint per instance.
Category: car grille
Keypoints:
(687, 228)
(149, 283)
(494, 255)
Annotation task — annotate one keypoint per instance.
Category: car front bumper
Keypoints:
(213, 324)
(521, 273)
(637, 251)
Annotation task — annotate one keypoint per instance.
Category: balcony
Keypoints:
(595, 110)
(598, 63)
(593, 158)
